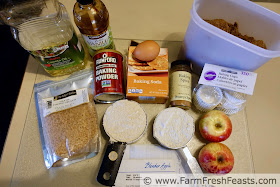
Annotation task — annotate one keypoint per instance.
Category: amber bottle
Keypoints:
(92, 19)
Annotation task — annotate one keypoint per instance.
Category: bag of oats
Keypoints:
(67, 119)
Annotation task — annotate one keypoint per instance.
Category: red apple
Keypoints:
(215, 126)
(216, 158)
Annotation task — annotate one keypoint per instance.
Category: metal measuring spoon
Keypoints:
(173, 128)
(124, 122)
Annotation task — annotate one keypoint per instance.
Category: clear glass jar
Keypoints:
(92, 19)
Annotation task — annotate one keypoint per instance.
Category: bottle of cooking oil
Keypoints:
(43, 28)
(92, 19)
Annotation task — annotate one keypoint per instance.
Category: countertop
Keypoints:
(254, 140)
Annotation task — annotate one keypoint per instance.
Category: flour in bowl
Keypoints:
(125, 121)
(173, 128)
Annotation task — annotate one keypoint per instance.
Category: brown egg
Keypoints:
(146, 51)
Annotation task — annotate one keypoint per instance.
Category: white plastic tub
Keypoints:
(204, 43)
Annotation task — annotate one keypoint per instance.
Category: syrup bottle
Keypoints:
(92, 19)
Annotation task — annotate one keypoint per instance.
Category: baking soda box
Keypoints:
(147, 82)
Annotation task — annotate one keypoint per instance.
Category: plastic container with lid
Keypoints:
(205, 43)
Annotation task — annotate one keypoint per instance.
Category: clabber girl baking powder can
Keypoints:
(108, 71)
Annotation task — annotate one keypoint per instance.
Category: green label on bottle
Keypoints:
(98, 42)
(62, 56)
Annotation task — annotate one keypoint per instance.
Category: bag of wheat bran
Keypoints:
(67, 119)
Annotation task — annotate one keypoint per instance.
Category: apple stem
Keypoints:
(218, 125)
(220, 159)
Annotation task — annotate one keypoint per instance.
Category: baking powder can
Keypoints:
(108, 71)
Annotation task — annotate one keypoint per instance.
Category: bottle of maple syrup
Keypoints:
(92, 19)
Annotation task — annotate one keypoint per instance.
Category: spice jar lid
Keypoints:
(84, 2)
(180, 62)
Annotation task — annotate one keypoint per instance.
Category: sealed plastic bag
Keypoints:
(67, 119)
(206, 98)
(223, 88)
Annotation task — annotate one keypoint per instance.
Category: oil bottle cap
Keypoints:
(85, 2)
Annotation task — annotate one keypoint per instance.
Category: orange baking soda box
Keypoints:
(147, 82)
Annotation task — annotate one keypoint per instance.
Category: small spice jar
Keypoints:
(180, 84)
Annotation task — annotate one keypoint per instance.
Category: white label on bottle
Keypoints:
(79, 45)
(181, 86)
(99, 41)
(65, 101)
(232, 79)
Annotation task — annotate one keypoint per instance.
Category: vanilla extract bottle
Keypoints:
(92, 19)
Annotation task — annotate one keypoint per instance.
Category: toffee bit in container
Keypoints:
(180, 84)
(67, 120)
(204, 42)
